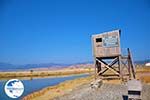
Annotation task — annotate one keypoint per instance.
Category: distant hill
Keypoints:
(142, 61)
(45, 66)
(11, 67)
(4, 66)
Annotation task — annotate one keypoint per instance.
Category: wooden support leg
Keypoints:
(120, 67)
(95, 68)
(131, 63)
(129, 69)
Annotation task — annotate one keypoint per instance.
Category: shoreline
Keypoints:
(31, 78)
(63, 88)
(66, 87)
(60, 89)
(58, 72)
(42, 74)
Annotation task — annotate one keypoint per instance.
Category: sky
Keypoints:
(59, 31)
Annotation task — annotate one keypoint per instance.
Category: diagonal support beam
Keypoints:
(111, 64)
(125, 64)
(108, 66)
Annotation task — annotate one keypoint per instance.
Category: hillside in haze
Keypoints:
(7, 66)
(11, 67)
(42, 66)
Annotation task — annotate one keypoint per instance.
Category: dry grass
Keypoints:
(43, 73)
(145, 79)
(142, 69)
(143, 74)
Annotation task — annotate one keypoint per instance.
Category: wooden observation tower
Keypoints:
(109, 62)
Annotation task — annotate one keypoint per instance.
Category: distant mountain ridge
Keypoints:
(7, 66)
(11, 67)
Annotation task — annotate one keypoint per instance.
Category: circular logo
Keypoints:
(14, 88)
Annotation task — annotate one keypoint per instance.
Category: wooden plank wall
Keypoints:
(99, 50)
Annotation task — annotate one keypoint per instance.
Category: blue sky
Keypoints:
(59, 31)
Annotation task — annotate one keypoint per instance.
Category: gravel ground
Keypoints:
(105, 92)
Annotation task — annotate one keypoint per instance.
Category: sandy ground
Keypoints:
(105, 92)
